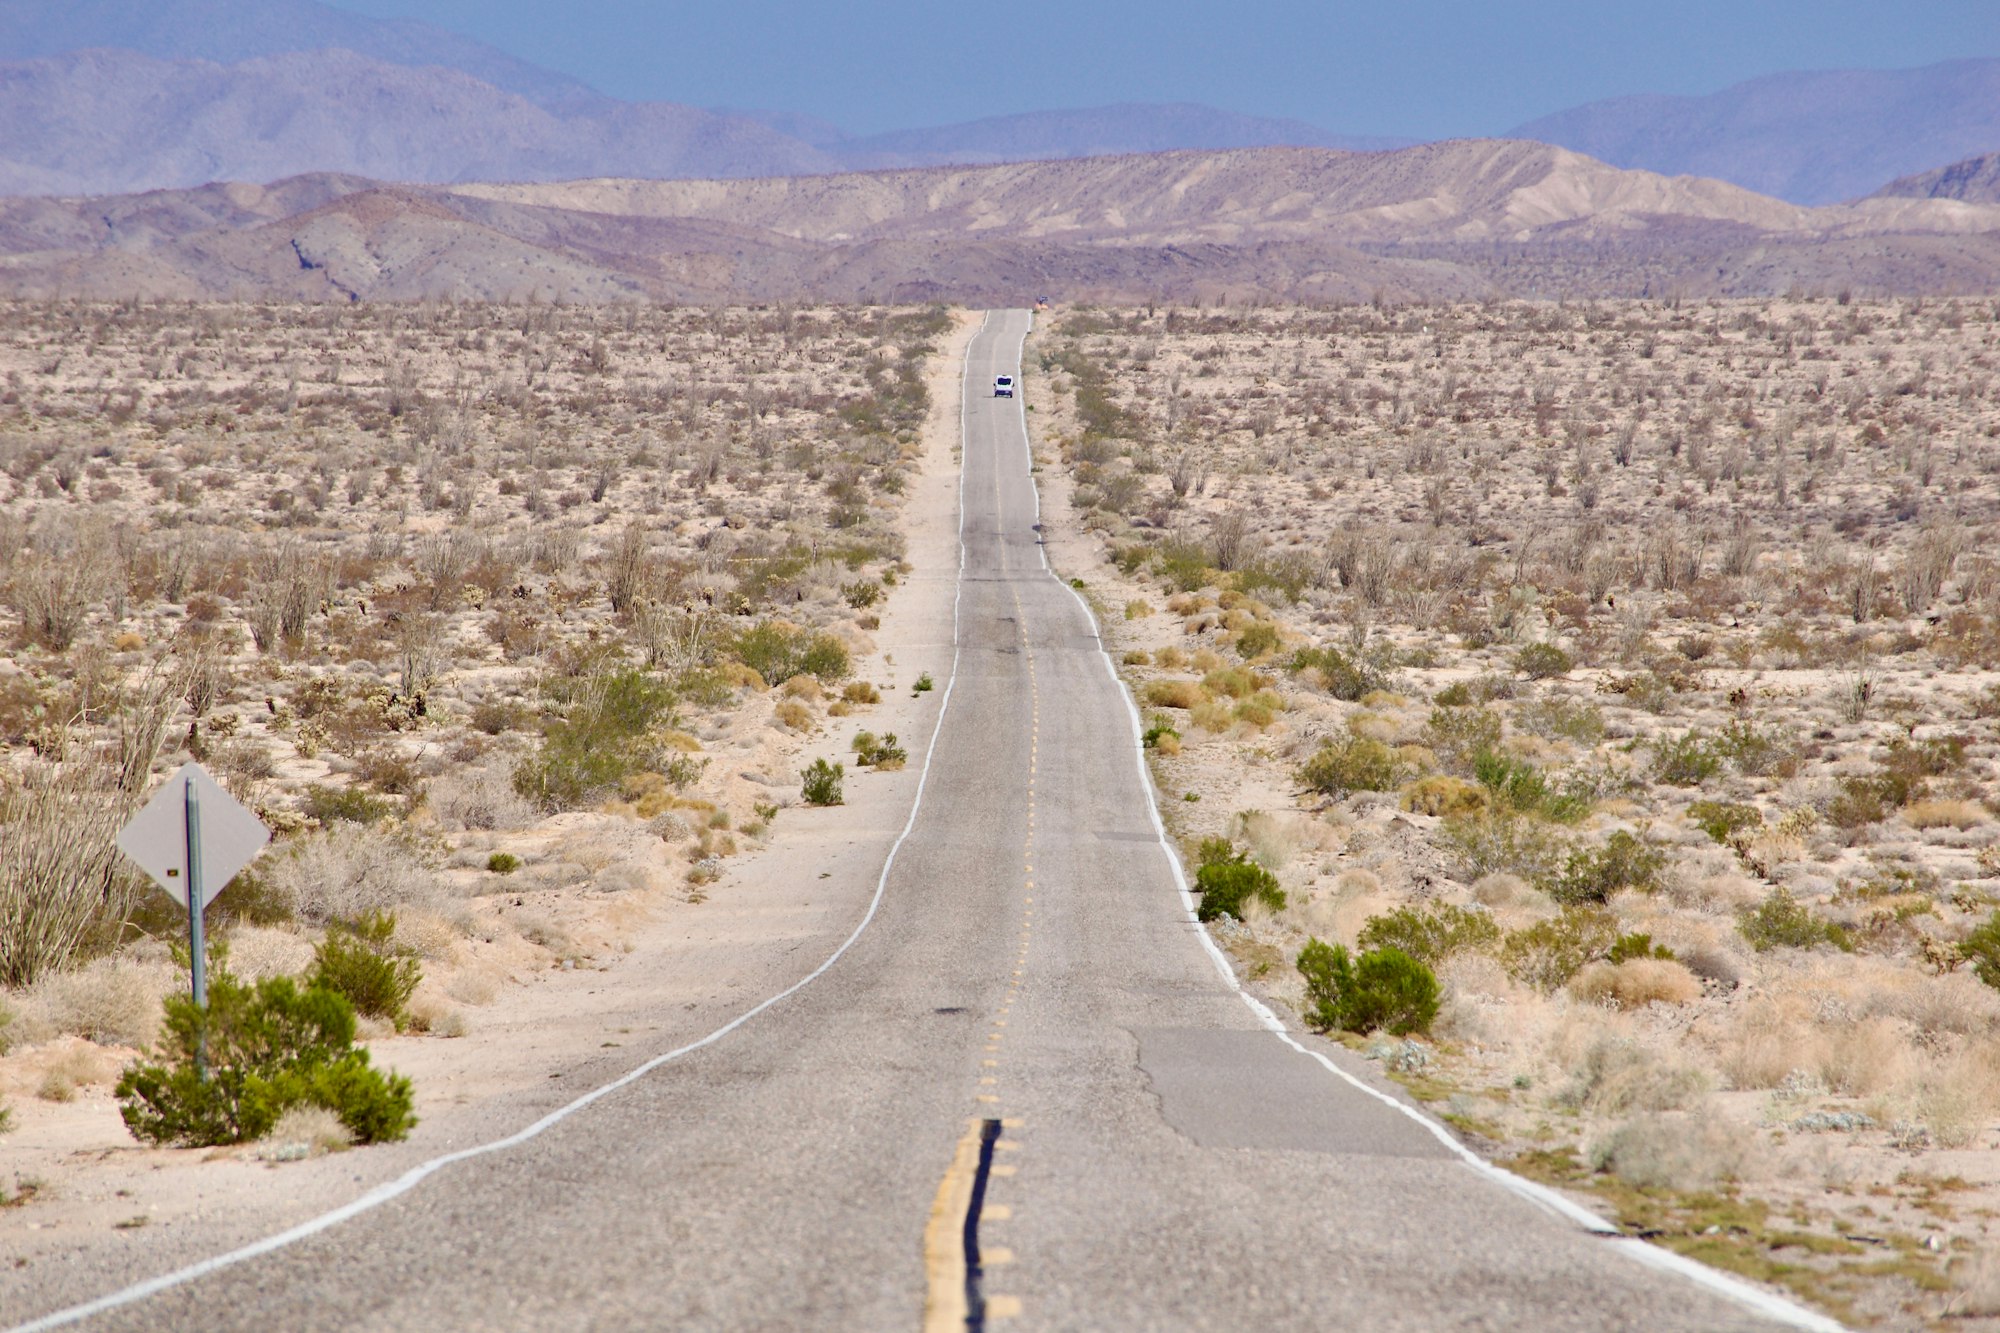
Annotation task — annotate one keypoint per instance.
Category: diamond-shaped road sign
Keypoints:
(157, 837)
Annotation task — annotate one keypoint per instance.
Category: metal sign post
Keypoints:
(197, 959)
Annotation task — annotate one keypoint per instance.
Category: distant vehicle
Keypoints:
(1003, 386)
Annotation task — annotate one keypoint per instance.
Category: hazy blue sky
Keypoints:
(1426, 68)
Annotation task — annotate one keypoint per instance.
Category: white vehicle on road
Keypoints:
(1003, 386)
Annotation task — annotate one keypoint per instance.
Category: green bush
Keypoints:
(1540, 661)
(924, 684)
(1343, 677)
(1624, 862)
(1627, 947)
(1431, 935)
(820, 783)
(1781, 921)
(352, 804)
(269, 1048)
(1386, 989)
(1519, 786)
(1182, 565)
(879, 751)
(1225, 886)
(605, 732)
(503, 863)
(1685, 761)
(778, 651)
(1158, 729)
(1256, 640)
(1547, 954)
(1753, 752)
(359, 962)
(1981, 948)
(1723, 820)
(1353, 764)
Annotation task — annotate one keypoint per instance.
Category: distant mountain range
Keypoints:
(1974, 181)
(1813, 137)
(101, 96)
(1464, 219)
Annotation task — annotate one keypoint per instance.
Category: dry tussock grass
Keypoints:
(1636, 983)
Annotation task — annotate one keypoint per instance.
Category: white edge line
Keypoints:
(1754, 1297)
(416, 1175)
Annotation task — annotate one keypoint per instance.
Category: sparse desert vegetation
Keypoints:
(494, 613)
(1628, 665)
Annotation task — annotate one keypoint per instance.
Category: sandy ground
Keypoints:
(646, 970)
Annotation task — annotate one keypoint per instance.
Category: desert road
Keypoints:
(1028, 1056)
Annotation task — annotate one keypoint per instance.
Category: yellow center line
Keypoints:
(944, 1249)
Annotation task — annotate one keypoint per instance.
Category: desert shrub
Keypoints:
(1616, 1075)
(1752, 751)
(1685, 760)
(1722, 821)
(352, 804)
(1430, 935)
(1548, 953)
(1859, 802)
(1981, 948)
(879, 752)
(1635, 983)
(778, 651)
(62, 877)
(1458, 735)
(1559, 718)
(349, 870)
(1355, 763)
(1233, 682)
(1173, 694)
(503, 863)
(820, 783)
(1592, 876)
(478, 798)
(496, 717)
(1160, 735)
(705, 687)
(1519, 786)
(1541, 661)
(1225, 886)
(861, 593)
(359, 962)
(1446, 796)
(1385, 989)
(269, 1048)
(1182, 565)
(1257, 640)
(1482, 845)
(923, 684)
(1340, 675)
(606, 731)
(1637, 945)
(1781, 921)
(860, 692)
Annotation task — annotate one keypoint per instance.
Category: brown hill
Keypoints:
(1442, 220)
(1973, 181)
